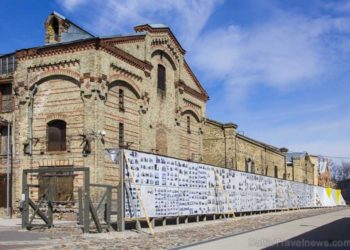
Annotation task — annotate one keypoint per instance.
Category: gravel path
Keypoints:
(167, 237)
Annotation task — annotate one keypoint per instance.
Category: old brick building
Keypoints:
(322, 172)
(80, 94)
(64, 103)
(300, 168)
(223, 146)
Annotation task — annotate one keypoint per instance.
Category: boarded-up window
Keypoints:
(276, 172)
(57, 186)
(3, 192)
(248, 165)
(121, 100)
(6, 97)
(56, 134)
(161, 78)
(121, 135)
(253, 167)
(4, 140)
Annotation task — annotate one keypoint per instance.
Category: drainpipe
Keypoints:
(8, 169)
(30, 118)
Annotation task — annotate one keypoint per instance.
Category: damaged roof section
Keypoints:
(60, 30)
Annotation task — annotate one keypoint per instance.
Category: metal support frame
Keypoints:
(86, 207)
(105, 203)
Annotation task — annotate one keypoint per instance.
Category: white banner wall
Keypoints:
(173, 187)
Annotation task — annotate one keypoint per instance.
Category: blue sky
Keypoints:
(279, 69)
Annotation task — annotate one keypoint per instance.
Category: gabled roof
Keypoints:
(156, 28)
(194, 78)
(277, 150)
(72, 32)
(72, 23)
(263, 144)
(73, 35)
(295, 155)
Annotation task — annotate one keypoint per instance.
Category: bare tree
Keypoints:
(339, 171)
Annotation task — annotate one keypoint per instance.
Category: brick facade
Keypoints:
(224, 147)
(300, 168)
(80, 83)
(105, 91)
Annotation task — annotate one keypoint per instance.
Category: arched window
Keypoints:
(161, 79)
(55, 28)
(56, 135)
(121, 100)
(188, 124)
(253, 167)
(276, 172)
(248, 165)
(121, 135)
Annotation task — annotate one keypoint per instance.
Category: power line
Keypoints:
(327, 156)
(336, 157)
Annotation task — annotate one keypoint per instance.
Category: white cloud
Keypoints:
(187, 17)
(338, 6)
(71, 4)
(317, 135)
(286, 50)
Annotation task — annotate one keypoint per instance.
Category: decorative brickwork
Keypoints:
(80, 83)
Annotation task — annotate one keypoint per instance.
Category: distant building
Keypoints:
(224, 147)
(300, 168)
(322, 172)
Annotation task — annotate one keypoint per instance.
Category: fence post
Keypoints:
(86, 201)
(80, 202)
(120, 200)
(24, 200)
(108, 206)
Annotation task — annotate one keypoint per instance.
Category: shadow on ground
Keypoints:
(335, 235)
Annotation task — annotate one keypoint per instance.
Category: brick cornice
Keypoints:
(53, 72)
(261, 144)
(194, 78)
(55, 65)
(56, 49)
(93, 43)
(121, 54)
(192, 104)
(147, 27)
(220, 124)
(124, 39)
(191, 91)
(123, 71)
